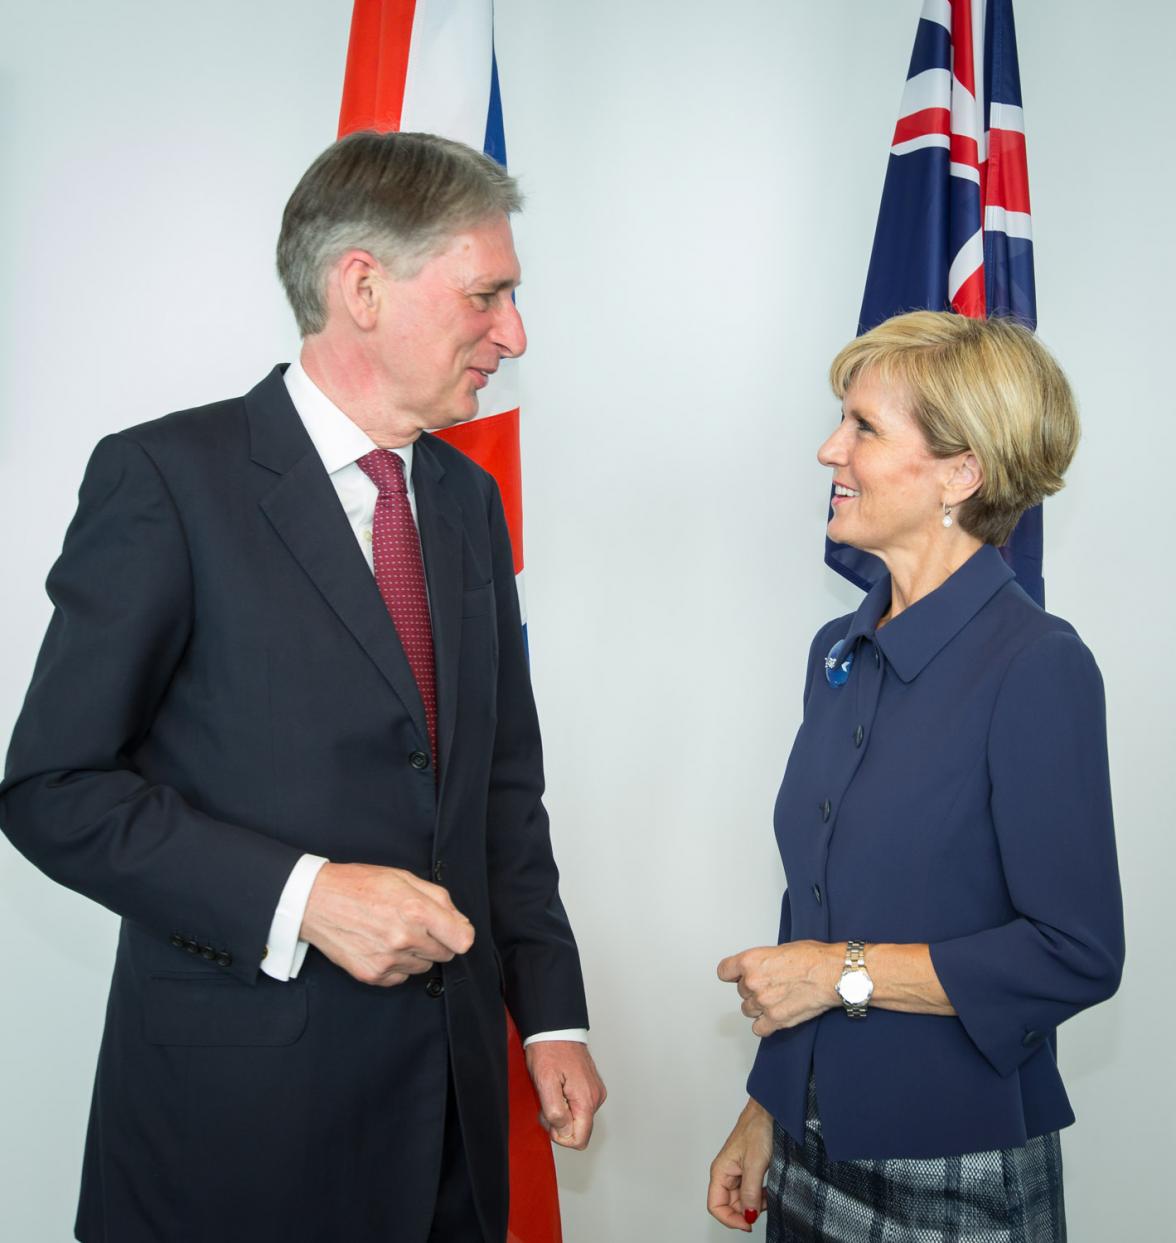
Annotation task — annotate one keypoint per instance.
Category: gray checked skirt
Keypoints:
(1009, 1196)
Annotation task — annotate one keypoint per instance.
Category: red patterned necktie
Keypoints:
(400, 575)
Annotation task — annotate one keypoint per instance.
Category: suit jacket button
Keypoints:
(858, 735)
(419, 760)
(224, 959)
(1031, 1038)
(826, 810)
(434, 987)
(207, 952)
(191, 946)
(438, 871)
(178, 940)
(817, 893)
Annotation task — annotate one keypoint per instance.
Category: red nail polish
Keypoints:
(749, 1215)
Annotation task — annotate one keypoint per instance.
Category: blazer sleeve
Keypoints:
(541, 964)
(71, 800)
(1051, 806)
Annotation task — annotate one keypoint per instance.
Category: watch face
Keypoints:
(855, 987)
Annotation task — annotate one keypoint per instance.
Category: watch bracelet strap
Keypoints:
(855, 960)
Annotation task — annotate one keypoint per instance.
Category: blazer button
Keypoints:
(178, 940)
(817, 893)
(191, 946)
(224, 959)
(208, 953)
(438, 871)
(826, 810)
(434, 987)
(858, 735)
(419, 760)
(1031, 1038)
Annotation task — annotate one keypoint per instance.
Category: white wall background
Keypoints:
(703, 184)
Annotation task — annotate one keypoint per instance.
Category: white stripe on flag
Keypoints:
(964, 170)
(1013, 223)
(1006, 116)
(929, 89)
(967, 119)
(968, 259)
(521, 588)
(447, 86)
(939, 12)
(917, 144)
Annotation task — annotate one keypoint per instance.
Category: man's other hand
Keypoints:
(570, 1090)
(381, 924)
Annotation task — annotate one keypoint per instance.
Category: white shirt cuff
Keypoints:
(569, 1033)
(284, 952)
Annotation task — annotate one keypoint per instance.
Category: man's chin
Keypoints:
(453, 420)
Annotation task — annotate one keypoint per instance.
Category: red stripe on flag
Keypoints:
(963, 61)
(965, 151)
(534, 1196)
(377, 64)
(1008, 171)
(969, 299)
(494, 444)
(919, 124)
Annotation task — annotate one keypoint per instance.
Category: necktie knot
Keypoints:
(385, 469)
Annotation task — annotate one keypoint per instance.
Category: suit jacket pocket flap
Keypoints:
(478, 600)
(208, 1010)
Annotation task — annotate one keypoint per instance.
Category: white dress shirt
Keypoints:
(340, 443)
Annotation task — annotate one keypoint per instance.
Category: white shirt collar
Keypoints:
(337, 440)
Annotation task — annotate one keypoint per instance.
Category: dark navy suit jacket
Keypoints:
(220, 690)
(954, 791)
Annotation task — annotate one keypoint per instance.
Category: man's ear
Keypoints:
(357, 279)
(965, 480)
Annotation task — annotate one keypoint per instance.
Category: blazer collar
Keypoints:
(277, 439)
(919, 633)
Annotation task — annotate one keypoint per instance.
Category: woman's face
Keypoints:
(889, 489)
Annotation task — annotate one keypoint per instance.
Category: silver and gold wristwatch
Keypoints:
(855, 988)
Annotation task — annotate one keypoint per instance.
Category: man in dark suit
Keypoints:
(282, 724)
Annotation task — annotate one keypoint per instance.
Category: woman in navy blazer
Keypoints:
(945, 826)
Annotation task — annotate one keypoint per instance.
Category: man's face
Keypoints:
(445, 330)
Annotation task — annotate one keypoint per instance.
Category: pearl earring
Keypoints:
(947, 515)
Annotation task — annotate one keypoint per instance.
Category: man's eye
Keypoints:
(483, 301)
(863, 426)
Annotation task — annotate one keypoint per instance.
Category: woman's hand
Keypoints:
(736, 1192)
(783, 985)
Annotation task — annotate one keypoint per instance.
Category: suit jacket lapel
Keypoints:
(304, 509)
(439, 518)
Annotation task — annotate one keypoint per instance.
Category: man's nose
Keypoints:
(509, 334)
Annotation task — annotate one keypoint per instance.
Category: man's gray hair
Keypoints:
(401, 197)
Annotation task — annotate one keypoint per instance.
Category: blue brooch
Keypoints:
(836, 669)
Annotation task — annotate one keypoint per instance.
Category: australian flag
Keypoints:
(954, 229)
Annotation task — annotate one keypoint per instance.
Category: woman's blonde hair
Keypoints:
(985, 386)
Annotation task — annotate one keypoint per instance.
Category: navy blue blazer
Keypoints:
(954, 791)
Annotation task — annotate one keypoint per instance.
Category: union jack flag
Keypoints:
(430, 65)
(954, 228)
